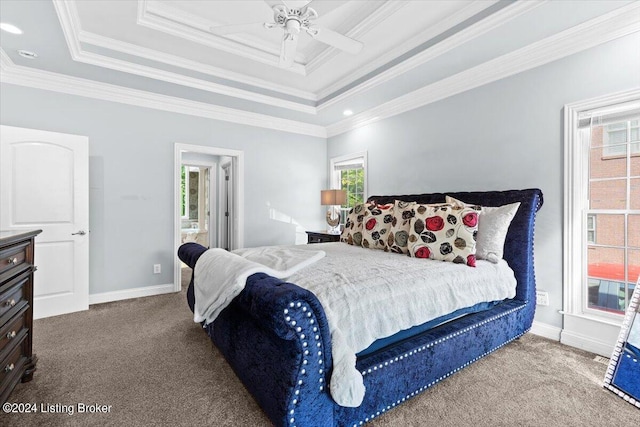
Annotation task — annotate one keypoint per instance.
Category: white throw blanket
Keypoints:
(219, 276)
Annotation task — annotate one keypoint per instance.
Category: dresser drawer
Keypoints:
(13, 257)
(15, 329)
(12, 366)
(14, 296)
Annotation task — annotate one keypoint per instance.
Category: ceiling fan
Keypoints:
(292, 20)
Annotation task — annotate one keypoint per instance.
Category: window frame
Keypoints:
(335, 178)
(585, 328)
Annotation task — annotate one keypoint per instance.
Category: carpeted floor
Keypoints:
(155, 367)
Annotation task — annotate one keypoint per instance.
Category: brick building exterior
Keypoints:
(610, 174)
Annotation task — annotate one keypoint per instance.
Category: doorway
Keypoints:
(208, 199)
(198, 201)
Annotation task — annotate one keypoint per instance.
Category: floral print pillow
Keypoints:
(403, 213)
(352, 232)
(376, 225)
(444, 232)
(398, 237)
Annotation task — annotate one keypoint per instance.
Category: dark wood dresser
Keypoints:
(17, 361)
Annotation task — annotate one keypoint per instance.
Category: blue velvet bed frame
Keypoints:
(276, 338)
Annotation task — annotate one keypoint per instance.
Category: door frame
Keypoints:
(223, 189)
(238, 197)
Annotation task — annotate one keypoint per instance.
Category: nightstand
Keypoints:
(321, 237)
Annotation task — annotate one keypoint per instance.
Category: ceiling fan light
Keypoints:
(292, 26)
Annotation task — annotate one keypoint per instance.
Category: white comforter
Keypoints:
(369, 294)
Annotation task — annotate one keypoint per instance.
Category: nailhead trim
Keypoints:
(295, 316)
(432, 383)
(440, 340)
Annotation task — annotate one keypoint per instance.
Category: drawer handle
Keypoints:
(9, 368)
(10, 303)
(13, 261)
(11, 335)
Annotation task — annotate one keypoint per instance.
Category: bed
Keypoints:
(276, 337)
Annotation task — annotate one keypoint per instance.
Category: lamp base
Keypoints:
(333, 219)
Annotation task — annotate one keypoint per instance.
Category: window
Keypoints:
(613, 202)
(602, 207)
(349, 173)
(601, 237)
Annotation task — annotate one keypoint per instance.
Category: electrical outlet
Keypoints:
(542, 298)
(157, 269)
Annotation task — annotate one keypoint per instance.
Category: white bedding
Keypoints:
(369, 294)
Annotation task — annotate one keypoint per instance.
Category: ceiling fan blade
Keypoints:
(334, 39)
(235, 28)
(288, 51)
(272, 3)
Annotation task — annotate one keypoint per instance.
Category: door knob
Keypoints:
(80, 233)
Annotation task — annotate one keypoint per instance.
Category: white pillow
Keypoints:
(493, 226)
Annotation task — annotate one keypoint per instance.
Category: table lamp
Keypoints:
(333, 198)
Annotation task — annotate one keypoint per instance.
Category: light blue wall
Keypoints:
(504, 135)
(507, 134)
(131, 161)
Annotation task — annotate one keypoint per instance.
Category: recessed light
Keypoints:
(27, 54)
(347, 112)
(10, 28)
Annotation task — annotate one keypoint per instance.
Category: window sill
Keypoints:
(598, 319)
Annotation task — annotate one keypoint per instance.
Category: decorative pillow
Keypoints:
(492, 229)
(352, 232)
(399, 233)
(445, 232)
(403, 212)
(376, 225)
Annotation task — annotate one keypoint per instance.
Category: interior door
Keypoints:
(44, 184)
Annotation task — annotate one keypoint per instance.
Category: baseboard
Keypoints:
(546, 330)
(586, 343)
(123, 294)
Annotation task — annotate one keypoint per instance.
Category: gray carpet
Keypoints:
(154, 366)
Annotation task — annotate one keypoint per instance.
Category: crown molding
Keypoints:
(70, 23)
(11, 73)
(618, 23)
(476, 30)
(177, 61)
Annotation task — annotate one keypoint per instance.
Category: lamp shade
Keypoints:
(333, 197)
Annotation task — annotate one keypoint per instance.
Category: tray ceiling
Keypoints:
(167, 48)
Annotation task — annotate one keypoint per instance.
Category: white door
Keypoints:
(44, 184)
